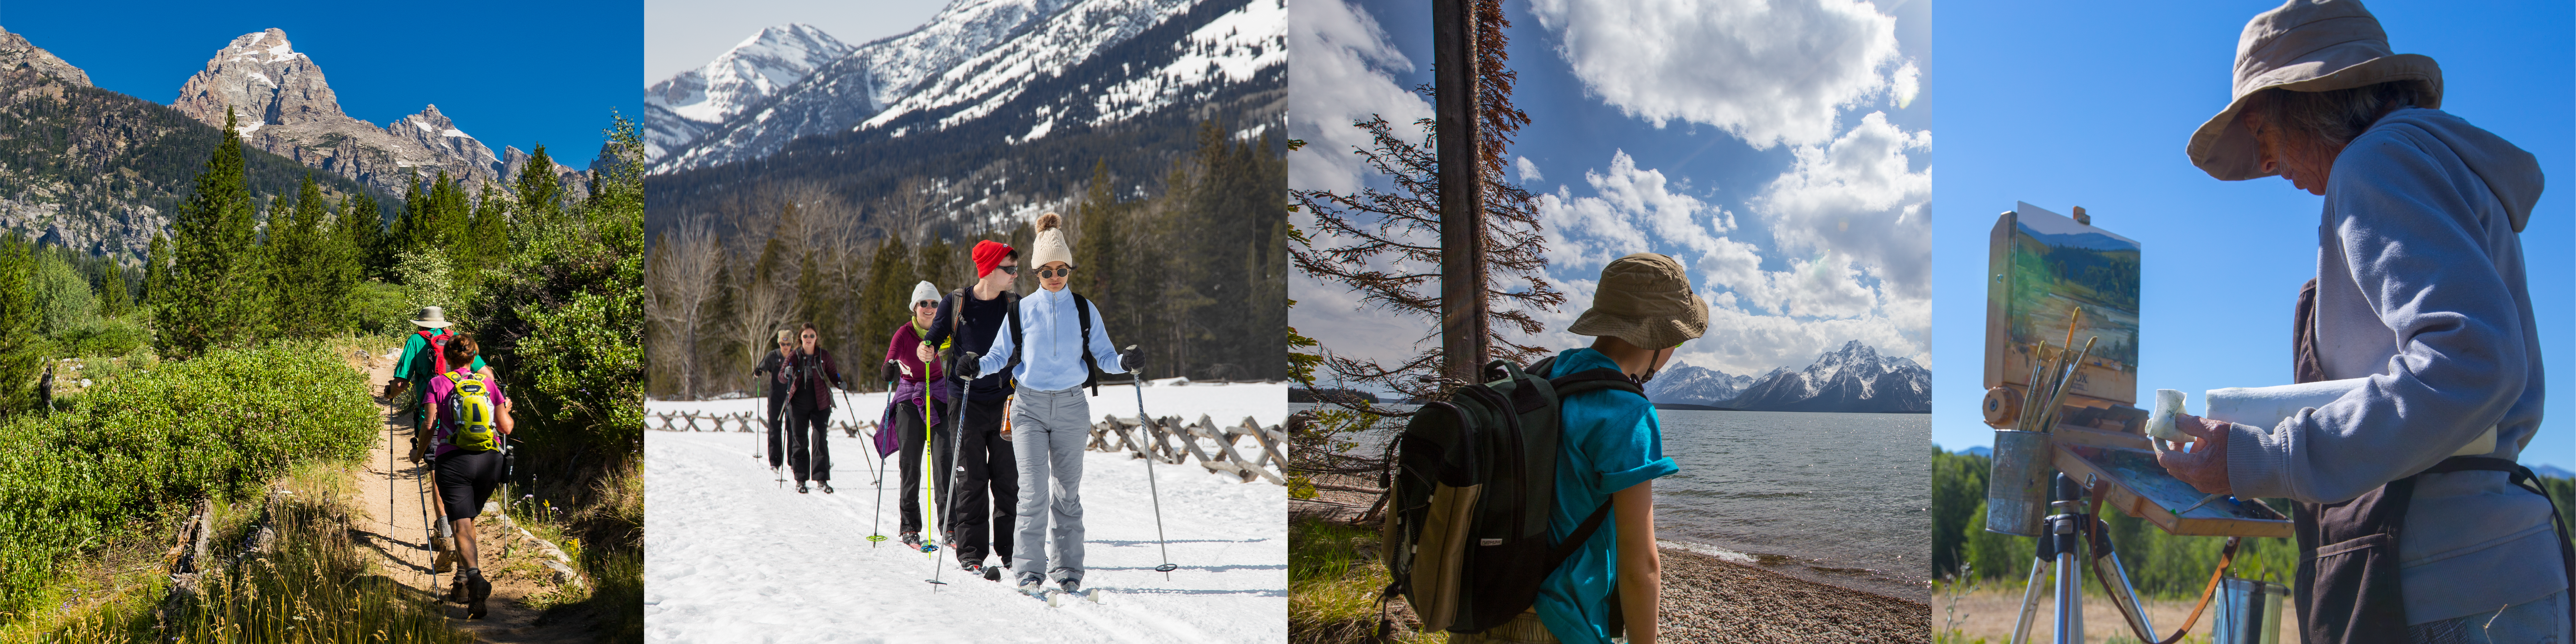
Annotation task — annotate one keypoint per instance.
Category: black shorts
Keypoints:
(465, 481)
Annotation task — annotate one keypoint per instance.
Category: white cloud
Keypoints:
(1344, 60)
(1529, 171)
(1636, 210)
(1767, 71)
(1858, 197)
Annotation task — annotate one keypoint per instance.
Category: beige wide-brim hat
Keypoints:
(431, 317)
(1645, 299)
(2303, 46)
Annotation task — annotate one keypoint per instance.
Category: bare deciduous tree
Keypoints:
(684, 287)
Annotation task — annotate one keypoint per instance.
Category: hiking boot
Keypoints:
(445, 561)
(455, 589)
(1070, 586)
(992, 574)
(912, 540)
(800, 487)
(479, 590)
(826, 485)
(972, 568)
(1032, 584)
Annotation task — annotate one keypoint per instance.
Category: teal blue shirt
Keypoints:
(1612, 442)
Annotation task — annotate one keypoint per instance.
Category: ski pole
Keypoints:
(876, 519)
(956, 445)
(1150, 488)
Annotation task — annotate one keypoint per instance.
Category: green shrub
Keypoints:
(101, 338)
(153, 441)
(378, 308)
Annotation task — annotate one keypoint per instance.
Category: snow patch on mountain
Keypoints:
(683, 107)
(1854, 378)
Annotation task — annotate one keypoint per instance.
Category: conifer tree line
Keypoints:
(1194, 275)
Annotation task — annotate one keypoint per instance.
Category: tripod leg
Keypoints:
(2070, 598)
(2107, 566)
(2029, 601)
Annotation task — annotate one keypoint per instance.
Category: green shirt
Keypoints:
(412, 346)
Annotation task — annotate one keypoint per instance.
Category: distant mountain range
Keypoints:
(1689, 385)
(110, 166)
(1854, 378)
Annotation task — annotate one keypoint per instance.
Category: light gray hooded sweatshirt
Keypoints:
(2420, 289)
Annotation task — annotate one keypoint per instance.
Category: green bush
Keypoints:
(152, 442)
(101, 338)
(378, 308)
(62, 295)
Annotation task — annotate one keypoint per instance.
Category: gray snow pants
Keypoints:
(1048, 431)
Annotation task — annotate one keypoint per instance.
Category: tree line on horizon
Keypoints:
(1196, 275)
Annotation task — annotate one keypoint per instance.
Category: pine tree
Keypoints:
(360, 230)
(156, 272)
(1097, 253)
(111, 288)
(883, 303)
(540, 191)
(213, 259)
(938, 266)
(299, 267)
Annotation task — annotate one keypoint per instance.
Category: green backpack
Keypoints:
(1466, 534)
(469, 413)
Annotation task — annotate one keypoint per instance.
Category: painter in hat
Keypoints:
(2420, 303)
(1610, 452)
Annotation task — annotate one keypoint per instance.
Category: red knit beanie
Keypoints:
(988, 254)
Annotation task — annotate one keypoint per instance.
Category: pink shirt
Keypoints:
(440, 388)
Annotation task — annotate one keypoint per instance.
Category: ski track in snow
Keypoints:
(731, 556)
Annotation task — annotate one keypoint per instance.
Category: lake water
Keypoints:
(1840, 499)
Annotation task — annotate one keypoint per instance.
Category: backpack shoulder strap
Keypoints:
(1091, 366)
(1563, 550)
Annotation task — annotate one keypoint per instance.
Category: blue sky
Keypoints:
(2065, 104)
(510, 73)
(1773, 149)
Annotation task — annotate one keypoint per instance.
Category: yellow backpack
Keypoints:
(469, 413)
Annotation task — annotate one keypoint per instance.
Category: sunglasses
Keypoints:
(1047, 273)
(926, 304)
(1013, 271)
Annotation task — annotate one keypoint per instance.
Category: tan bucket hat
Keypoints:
(431, 317)
(2303, 46)
(1645, 299)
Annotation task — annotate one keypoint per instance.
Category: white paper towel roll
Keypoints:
(2160, 419)
(2265, 407)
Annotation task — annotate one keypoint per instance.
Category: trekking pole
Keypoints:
(877, 517)
(956, 442)
(1157, 494)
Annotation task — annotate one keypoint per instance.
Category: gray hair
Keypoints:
(2336, 116)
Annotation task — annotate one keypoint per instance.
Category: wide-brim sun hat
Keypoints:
(2303, 46)
(1646, 300)
(432, 317)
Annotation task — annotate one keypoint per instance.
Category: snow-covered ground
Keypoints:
(732, 557)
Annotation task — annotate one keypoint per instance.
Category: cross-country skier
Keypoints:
(809, 411)
(773, 370)
(911, 375)
(984, 458)
(1050, 420)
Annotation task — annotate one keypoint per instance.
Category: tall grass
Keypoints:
(1334, 578)
(310, 583)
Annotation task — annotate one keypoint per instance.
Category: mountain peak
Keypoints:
(683, 106)
(271, 44)
(1852, 378)
(16, 52)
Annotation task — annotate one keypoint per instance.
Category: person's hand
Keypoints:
(968, 366)
(1132, 360)
(891, 369)
(2205, 466)
(416, 453)
(925, 354)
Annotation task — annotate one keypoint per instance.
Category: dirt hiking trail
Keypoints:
(398, 506)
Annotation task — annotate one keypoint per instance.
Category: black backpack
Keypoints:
(1466, 535)
(1081, 312)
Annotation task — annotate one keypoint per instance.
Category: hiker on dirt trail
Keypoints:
(965, 323)
(913, 375)
(1056, 343)
(1611, 451)
(471, 418)
(809, 410)
(421, 360)
(773, 369)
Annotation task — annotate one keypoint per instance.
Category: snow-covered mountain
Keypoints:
(1854, 378)
(681, 108)
(1696, 386)
(283, 105)
(979, 58)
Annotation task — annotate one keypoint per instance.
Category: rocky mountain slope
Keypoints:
(1854, 378)
(977, 58)
(99, 171)
(682, 108)
(286, 107)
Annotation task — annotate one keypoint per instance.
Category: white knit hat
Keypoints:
(922, 291)
(1050, 243)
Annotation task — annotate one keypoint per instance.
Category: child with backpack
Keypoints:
(1051, 345)
(1572, 439)
(471, 419)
